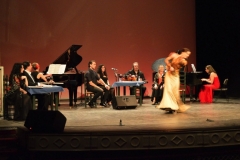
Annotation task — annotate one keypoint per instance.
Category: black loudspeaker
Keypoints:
(45, 121)
(124, 102)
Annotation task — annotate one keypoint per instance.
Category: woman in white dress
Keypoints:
(171, 100)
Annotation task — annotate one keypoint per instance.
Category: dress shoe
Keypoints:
(104, 104)
(91, 105)
(109, 103)
(70, 104)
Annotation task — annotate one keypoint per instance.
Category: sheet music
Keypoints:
(193, 68)
(56, 68)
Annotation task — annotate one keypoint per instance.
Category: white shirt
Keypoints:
(30, 75)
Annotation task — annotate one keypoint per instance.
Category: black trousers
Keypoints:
(43, 101)
(133, 90)
(157, 94)
(98, 92)
(107, 95)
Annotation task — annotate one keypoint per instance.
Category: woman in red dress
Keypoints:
(206, 92)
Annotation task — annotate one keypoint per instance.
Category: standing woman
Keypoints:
(102, 72)
(17, 95)
(158, 85)
(171, 100)
(206, 92)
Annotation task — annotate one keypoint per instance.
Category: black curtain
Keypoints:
(218, 39)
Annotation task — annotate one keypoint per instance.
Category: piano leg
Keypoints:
(75, 95)
(194, 91)
(72, 90)
(56, 99)
(191, 92)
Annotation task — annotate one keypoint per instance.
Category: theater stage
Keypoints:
(144, 128)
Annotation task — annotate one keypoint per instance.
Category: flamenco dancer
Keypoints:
(171, 100)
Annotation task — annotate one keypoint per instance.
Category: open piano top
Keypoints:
(71, 58)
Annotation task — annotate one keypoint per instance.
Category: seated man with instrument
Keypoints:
(92, 79)
(158, 85)
(136, 75)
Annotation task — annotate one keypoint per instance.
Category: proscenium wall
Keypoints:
(115, 33)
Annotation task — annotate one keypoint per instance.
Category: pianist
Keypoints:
(37, 75)
(92, 79)
(206, 92)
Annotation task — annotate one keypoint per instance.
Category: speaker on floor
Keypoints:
(45, 121)
(124, 102)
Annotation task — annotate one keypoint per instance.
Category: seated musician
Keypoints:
(136, 73)
(158, 85)
(17, 94)
(206, 92)
(43, 99)
(92, 79)
(102, 73)
(37, 75)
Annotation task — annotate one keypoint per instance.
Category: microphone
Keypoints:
(114, 69)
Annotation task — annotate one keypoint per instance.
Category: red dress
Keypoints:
(206, 92)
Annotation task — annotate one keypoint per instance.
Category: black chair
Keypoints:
(182, 90)
(87, 94)
(222, 90)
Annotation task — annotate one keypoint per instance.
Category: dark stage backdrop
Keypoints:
(115, 33)
(218, 39)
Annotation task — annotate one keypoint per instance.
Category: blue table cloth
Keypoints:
(43, 90)
(128, 83)
(33, 90)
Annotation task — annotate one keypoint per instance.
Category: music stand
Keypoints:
(193, 68)
(56, 68)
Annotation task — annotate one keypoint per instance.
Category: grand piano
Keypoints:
(72, 78)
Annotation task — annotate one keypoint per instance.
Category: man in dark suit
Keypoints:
(43, 99)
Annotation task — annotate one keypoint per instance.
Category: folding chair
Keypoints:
(221, 90)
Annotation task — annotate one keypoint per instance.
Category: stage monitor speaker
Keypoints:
(124, 102)
(45, 121)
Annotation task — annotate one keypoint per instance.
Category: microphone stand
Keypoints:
(117, 79)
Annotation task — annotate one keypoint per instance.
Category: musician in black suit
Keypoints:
(135, 72)
(43, 99)
(92, 79)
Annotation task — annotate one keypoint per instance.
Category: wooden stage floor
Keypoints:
(144, 128)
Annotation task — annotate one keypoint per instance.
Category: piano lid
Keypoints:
(70, 57)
